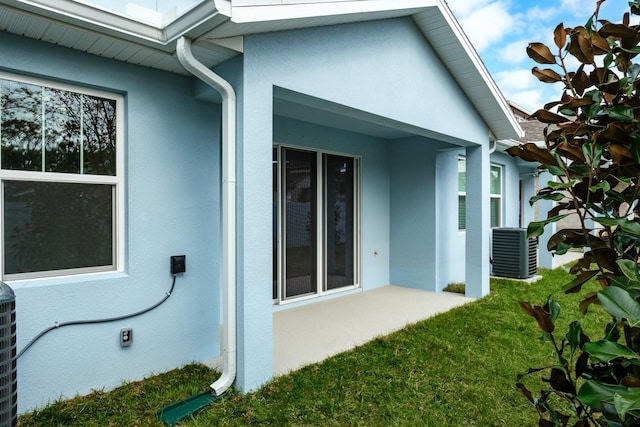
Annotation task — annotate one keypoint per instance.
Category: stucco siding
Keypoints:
(172, 208)
(382, 67)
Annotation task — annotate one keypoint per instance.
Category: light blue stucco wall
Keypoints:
(415, 238)
(382, 68)
(172, 208)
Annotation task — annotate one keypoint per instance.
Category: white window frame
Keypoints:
(492, 196)
(320, 248)
(497, 196)
(117, 181)
(461, 193)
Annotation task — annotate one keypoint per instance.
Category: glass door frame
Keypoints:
(279, 232)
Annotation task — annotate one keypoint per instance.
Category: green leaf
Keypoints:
(555, 170)
(556, 197)
(609, 222)
(627, 402)
(561, 185)
(554, 309)
(593, 393)
(629, 268)
(574, 336)
(628, 226)
(562, 248)
(536, 228)
(631, 227)
(620, 304)
(621, 113)
(608, 60)
(630, 50)
(596, 96)
(602, 185)
(604, 351)
(624, 179)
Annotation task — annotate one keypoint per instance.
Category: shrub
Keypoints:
(592, 149)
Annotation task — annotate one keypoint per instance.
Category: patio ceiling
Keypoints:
(294, 105)
(217, 27)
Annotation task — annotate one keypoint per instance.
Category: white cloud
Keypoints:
(514, 52)
(531, 100)
(538, 13)
(576, 7)
(480, 32)
(518, 79)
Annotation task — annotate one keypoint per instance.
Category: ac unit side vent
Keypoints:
(513, 255)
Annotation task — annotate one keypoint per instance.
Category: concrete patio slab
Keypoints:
(311, 333)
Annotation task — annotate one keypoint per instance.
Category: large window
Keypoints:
(315, 201)
(61, 178)
(495, 185)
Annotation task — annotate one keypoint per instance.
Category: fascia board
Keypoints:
(495, 100)
(310, 10)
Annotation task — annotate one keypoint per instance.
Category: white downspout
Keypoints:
(199, 70)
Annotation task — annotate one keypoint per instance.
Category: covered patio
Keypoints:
(313, 332)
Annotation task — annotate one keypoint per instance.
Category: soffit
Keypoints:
(115, 37)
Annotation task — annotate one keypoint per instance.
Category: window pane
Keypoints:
(99, 128)
(495, 212)
(496, 180)
(462, 212)
(55, 226)
(21, 126)
(462, 175)
(62, 131)
(339, 217)
(300, 223)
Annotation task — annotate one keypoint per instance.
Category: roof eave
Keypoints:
(444, 33)
(199, 19)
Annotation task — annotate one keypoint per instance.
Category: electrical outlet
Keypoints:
(178, 264)
(126, 337)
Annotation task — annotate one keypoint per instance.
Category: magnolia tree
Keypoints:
(592, 149)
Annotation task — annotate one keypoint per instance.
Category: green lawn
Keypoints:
(456, 369)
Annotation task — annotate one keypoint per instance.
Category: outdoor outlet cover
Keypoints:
(178, 264)
(126, 337)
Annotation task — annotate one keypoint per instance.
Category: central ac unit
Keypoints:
(513, 254)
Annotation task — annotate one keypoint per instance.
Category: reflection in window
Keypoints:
(59, 179)
(78, 130)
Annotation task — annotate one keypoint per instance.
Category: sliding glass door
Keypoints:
(339, 221)
(315, 223)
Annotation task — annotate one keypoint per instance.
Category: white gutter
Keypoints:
(191, 64)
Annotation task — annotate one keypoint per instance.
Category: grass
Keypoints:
(457, 288)
(455, 369)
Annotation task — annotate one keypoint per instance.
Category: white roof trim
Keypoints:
(284, 11)
(116, 24)
(485, 108)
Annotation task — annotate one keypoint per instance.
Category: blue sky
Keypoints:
(500, 30)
